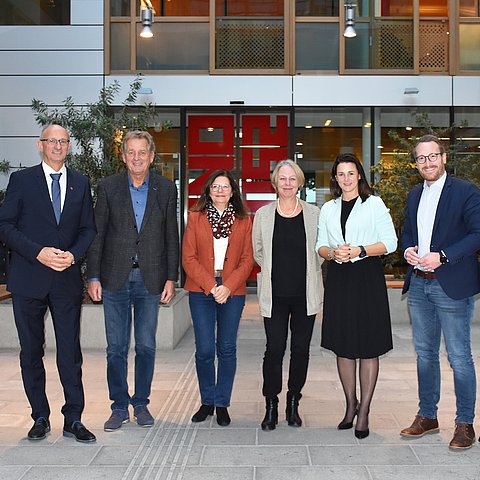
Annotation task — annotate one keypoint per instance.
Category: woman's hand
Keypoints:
(221, 294)
(343, 253)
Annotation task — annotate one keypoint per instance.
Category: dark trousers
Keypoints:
(30, 321)
(276, 330)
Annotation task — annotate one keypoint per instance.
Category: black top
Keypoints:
(347, 206)
(289, 257)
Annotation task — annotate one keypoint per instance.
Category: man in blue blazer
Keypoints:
(440, 239)
(133, 261)
(47, 221)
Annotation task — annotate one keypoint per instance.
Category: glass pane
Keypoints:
(39, 12)
(175, 46)
(469, 8)
(120, 46)
(179, 8)
(249, 8)
(120, 8)
(320, 135)
(357, 49)
(396, 8)
(316, 8)
(434, 8)
(249, 44)
(307, 35)
(469, 47)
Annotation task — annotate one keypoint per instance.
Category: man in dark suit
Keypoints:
(440, 239)
(47, 221)
(133, 261)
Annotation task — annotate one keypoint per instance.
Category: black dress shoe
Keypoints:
(203, 412)
(223, 418)
(40, 429)
(78, 431)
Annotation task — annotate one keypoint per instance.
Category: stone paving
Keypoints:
(175, 448)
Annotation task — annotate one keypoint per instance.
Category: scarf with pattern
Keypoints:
(221, 224)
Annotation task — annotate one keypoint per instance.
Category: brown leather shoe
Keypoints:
(420, 427)
(464, 436)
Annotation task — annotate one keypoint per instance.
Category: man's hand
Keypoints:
(430, 261)
(411, 255)
(95, 290)
(168, 292)
(55, 258)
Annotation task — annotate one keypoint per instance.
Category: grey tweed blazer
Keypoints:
(118, 241)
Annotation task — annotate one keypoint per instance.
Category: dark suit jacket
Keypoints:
(198, 255)
(27, 224)
(118, 241)
(456, 231)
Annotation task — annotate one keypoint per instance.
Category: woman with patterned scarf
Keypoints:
(217, 258)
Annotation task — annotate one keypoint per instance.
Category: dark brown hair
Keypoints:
(239, 206)
(364, 189)
(426, 139)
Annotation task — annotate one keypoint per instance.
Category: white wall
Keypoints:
(48, 63)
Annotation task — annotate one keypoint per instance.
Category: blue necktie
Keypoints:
(57, 208)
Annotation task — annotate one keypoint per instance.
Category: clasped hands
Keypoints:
(429, 262)
(344, 253)
(220, 293)
(55, 258)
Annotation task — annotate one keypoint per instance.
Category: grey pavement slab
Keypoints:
(176, 449)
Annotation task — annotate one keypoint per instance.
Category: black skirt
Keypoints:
(356, 316)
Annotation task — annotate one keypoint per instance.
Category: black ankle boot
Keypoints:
(271, 414)
(203, 412)
(293, 418)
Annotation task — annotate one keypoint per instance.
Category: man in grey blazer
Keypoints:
(133, 261)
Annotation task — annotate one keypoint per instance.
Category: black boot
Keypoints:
(293, 418)
(271, 414)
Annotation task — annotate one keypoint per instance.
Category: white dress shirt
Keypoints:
(427, 209)
(47, 170)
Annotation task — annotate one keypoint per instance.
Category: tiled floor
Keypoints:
(177, 449)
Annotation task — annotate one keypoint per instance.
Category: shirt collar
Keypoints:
(436, 185)
(145, 182)
(47, 169)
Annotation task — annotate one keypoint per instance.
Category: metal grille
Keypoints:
(433, 54)
(250, 44)
(393, 44)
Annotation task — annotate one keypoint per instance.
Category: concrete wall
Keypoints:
(173, 322)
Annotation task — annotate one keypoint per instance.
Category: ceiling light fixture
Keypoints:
(349, 31)
(147, 17)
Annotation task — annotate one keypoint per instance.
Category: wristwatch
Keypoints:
(443, 257)
(363, 252)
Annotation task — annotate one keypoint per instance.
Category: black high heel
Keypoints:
(343, 425)
(362, 433)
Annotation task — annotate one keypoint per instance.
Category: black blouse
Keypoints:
(289, 257)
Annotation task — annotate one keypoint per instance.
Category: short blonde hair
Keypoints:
(294, 166)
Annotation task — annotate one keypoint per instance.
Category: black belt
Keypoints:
(425, 275)
(135, 265)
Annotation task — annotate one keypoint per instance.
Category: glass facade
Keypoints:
(393, 37)
(35, 12)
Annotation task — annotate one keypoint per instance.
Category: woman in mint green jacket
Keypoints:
(355, 229)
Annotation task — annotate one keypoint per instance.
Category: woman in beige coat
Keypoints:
(289, 287)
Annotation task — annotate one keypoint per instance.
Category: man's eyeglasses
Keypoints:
(215, 187)
(53, 141)
(423, 158)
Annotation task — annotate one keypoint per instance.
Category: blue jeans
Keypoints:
(215, 389)
(117, 307)
(432, 311)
